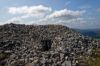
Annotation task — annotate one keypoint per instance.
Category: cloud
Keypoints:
(16, 20)
(32, 10)
(63, 16)
(42, 15)
(67, 3)
(98, 9)
(66, 13)
(85, 7)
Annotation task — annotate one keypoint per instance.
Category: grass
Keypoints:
(93, 60)
(90, 60)
(2, 56)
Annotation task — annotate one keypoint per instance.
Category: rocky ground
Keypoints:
(43, 45)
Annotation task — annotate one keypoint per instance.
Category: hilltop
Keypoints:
(21, 45)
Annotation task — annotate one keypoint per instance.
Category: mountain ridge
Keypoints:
(94, 33)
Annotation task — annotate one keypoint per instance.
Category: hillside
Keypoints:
(26, 45)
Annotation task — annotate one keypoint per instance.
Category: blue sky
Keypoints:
(82, 14)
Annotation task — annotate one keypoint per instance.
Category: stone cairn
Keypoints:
(43, 45)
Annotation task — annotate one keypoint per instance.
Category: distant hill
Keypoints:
(95, 33)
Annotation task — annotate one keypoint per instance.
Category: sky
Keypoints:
(80, 14)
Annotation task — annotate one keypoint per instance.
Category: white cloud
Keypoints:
(85, 7)
(66, 13)
(32, 10)
(63, 16)
(14, 19)
(44, 15)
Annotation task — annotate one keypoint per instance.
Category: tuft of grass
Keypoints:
(94, 59)
(3, 56)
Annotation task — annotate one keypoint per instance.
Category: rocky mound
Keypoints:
(43, 45)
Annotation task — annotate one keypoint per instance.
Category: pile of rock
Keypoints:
(43, 45)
